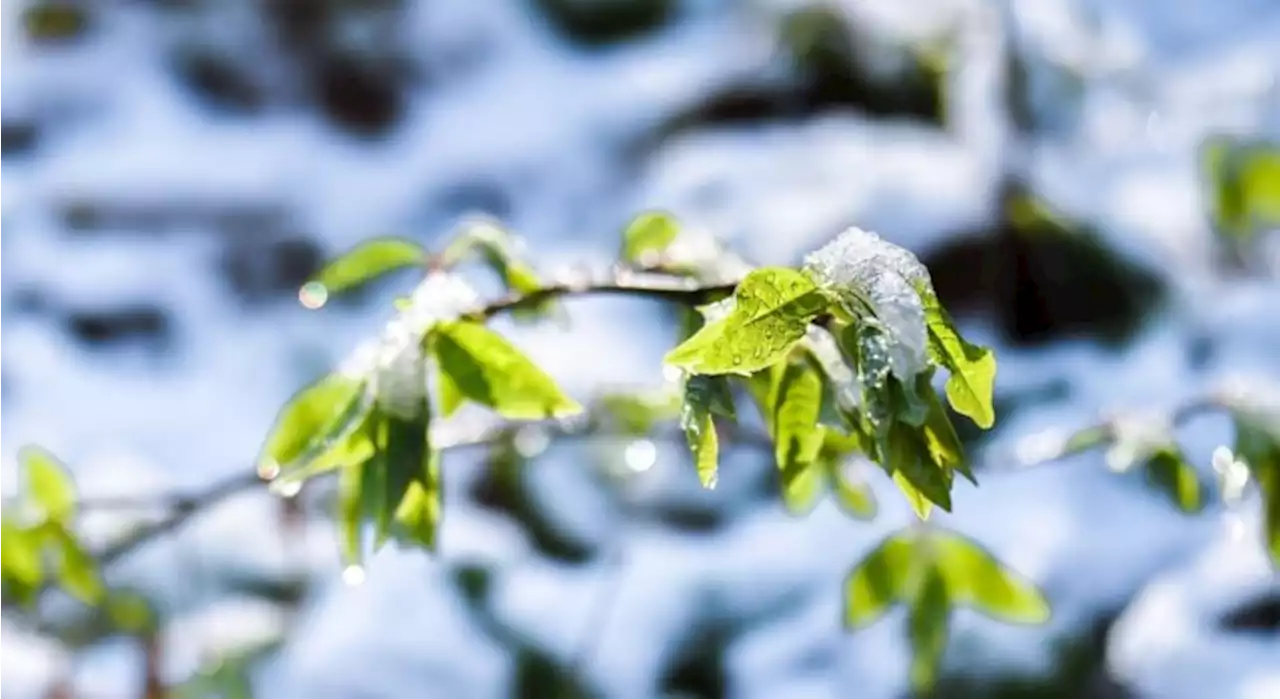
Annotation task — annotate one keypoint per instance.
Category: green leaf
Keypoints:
(880, 580)
(650, 232)
(131, 612)
(350, 512)
(974, 577)
(928, 626)
(490, 371)
(353, 444)
(77, 572)
(772, 311)
(1260, 449)
(418, 515)
(798, 438)
(971, 385)
(20, 554)
(451, 397)
(911, 464)
(635, 414)
(408, 460)
(699, 429)
(1167, 470)
(763, 387)
(48, 484)
(367, 261)
(310, 421)
(941, 440)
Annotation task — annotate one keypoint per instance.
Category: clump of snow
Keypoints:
(862, 265)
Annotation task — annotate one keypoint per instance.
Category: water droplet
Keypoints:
(353, 575)
(313, 295)
(268, 470)
(289, 489)
(640, 455)
(737, 359)
(713, 481)
(758, 353)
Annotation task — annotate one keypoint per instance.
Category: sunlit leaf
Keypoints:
(798, 438)
(310, 420)
(1260, 449)
(650, 232)
(773, 307)
(48, 484)
(635, 413)
(941, 440)
(974, 577)
(854, 496)
(492, 372)
(880, 580)
(911, 463)
(350, 512)
(131, 612)
(367, 261)
(971, 384)
(418, 515)
(699, 429)
(928, 625)
(1168, 470)
(20, 554)
(76, 571)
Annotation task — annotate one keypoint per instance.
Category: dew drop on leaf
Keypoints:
(313, 295)
(713, 481)
(737, 359)
(353, 576)
(289, 490)
(268, 470)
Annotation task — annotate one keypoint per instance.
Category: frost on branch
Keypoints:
(864, 269)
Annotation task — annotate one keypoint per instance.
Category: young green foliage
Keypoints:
(1168, 470)
(484, 368)
(972, 369)
(771, 312)
(364, 263)
(499, 250)
(933, 571)
(45, 535)
(1258, 444)
(648, 234)
(308, 425)
(703, 396)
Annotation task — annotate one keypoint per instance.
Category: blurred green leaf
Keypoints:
(773, 308)
(854, 496)
(636, 413)
(971, 385)
(974, 577)
(367, 261)
(490, 371)
(650, 232)
(1259, 447)
(941, 440)
(798, 438)
(1168, 470)
(407, 461)
(928, 626)
(20, 554)
(48, 484)
(880, 580)
(350, 514)
(500, 251)
(914, 470)
(450, 397)
(419, 512)
(77, 572)
(310, 421)
(130, 612)
(699, 429)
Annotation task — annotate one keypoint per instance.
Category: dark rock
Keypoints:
(601, 22)
(143, 324)
(1044, 278)
(218, 80)
(1258, 616)
(17, 138)
(259, 269)
(358, 95)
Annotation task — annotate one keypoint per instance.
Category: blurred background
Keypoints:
(1092, 183)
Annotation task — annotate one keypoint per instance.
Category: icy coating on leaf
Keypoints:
(844, 383)
(860, 264)
(393, 361)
